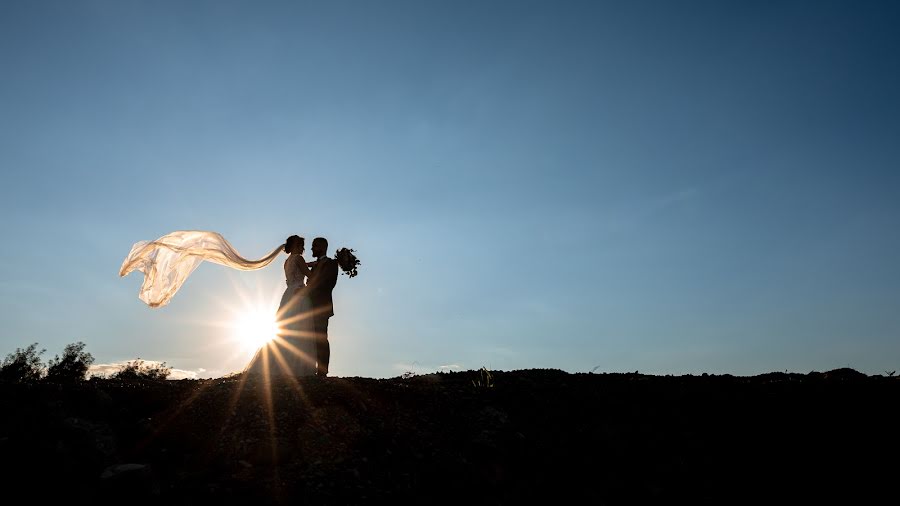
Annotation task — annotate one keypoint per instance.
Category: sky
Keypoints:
(667, 187)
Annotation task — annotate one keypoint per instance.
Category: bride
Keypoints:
(293, 350)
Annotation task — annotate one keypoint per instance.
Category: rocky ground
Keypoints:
(533, 435)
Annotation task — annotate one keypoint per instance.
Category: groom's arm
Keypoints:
(331, 274)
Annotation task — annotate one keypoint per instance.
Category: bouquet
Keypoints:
(347, 261)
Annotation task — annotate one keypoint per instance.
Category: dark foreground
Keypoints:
(534, 435)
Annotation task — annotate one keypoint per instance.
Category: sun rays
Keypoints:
(253, 326)
(266, 347)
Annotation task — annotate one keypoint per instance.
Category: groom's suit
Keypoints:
(319, 286)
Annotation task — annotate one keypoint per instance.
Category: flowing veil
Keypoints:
(169, 260)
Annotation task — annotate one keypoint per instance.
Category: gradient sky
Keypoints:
(670, 187)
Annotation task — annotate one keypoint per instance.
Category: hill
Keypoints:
(464, 437)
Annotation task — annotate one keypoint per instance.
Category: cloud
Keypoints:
(183, 374)
(111, 368)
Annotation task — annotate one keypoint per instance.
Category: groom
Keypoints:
(319, 286)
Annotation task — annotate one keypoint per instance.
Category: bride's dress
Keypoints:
(293, 351)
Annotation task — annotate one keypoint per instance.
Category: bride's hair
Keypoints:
(289, 244)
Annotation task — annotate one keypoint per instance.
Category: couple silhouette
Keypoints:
(301, 346)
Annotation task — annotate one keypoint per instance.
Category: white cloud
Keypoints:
(183, 374)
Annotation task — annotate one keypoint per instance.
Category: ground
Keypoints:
(511, 437)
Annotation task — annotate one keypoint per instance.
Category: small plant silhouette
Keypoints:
(485, 379)
(411, 373)
(139, 370)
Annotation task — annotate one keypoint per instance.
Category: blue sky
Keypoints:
(670, 187)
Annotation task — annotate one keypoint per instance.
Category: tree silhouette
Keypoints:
(72, 366)
(23, 365)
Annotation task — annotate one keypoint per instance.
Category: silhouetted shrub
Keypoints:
(72, 366)
(139, 370)
(23, 365)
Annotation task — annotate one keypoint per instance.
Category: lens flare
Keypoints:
(254, 328)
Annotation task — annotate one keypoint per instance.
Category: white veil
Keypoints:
(169, 260)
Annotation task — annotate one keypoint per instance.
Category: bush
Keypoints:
(139, 370)
(22, 366)
(73, 366)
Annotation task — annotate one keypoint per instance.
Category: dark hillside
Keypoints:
(518, 436)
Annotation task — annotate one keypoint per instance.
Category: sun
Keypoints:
(254, 328)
